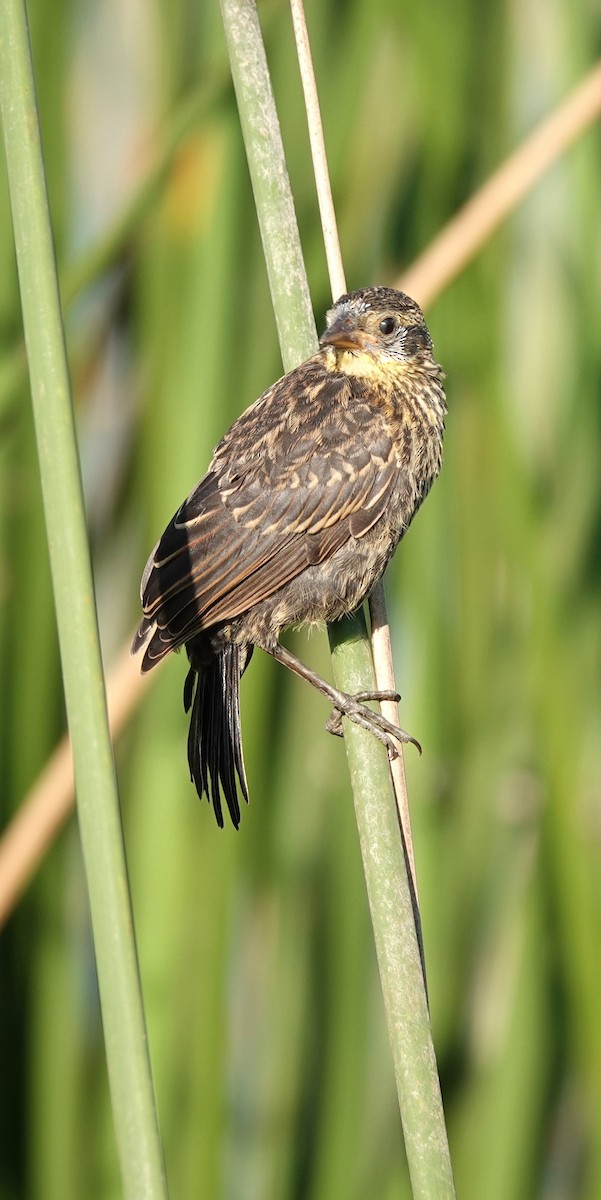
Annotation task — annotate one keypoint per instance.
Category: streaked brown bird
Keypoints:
(304, 502)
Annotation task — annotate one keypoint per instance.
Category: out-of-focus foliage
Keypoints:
(265, 1020)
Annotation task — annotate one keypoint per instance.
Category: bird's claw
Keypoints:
(390, 735)
(334, 723)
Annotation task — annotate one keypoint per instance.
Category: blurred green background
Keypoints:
(265, 1019)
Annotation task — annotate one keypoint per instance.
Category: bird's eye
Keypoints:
(387, 325)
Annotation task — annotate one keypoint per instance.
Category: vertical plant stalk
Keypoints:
(270, 183)
(325, 199)
(384, 862)
(97, 799)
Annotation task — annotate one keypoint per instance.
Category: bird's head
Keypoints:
(376, 327)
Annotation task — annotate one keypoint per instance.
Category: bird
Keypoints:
(304, 502)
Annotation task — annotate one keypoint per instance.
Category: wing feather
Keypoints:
(287, 487)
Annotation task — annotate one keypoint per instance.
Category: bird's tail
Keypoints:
(215, 736)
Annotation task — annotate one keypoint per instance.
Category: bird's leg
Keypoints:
(346, 705)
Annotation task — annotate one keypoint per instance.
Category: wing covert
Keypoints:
(261, 517)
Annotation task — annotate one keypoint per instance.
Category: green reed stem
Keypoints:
(97, 798)
(383, 860)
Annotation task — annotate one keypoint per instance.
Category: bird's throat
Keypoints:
(357, 363)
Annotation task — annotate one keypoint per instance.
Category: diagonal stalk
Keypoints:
(97, 798)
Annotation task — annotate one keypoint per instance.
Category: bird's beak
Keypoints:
(344, 336)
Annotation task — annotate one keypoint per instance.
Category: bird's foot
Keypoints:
(354, 708)
(334, 724)
(349, 706)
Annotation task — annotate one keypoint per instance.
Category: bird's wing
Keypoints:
(282, 494)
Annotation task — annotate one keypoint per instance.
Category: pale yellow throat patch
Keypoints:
(361, 365)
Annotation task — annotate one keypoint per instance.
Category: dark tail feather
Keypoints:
(215, 737)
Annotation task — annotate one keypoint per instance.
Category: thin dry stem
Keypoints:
(50, 800)
(380, 637)
(318, 152)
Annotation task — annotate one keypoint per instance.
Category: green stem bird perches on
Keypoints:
(384, 863)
